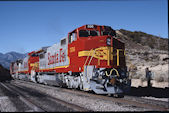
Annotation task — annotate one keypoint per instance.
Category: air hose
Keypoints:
(112, 71)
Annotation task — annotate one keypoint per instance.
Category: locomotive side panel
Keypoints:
(23, 66)
(76, 62)
(15, 67)
(55, 57)
(33, 63)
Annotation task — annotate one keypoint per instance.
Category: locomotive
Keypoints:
(90, 58)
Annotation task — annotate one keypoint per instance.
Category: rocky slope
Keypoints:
(140, 40)
(144, 50)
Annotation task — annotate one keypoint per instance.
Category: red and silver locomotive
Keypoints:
(90, 58)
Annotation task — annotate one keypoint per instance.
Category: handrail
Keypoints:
(117, 57)
(87, 58)
(89, 61)
(91, 57)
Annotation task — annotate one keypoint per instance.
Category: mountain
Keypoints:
(4, 74)
(141, 40)
(6, 59)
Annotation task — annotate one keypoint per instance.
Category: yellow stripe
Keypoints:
(58, 66)
(117, 57)
(102, 51)
(22, 71)
(108, 57)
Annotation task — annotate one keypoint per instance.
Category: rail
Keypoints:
(23, 99)
(118, 100)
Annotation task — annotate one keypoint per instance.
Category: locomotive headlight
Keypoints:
(109, 41)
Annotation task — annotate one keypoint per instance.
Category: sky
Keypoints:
(28, 26)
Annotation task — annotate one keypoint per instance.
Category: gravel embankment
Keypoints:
(8, 101)
(15, 98)
(84, 101)
(6, 105)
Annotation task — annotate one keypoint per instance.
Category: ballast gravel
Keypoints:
(92, 104)
(6, 105)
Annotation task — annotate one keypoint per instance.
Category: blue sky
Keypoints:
(28, 26)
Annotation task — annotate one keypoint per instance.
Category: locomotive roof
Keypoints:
(84, 26)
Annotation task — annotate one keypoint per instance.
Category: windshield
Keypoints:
(83, 33)
(86, 33)
(111, 33)
(93, 33)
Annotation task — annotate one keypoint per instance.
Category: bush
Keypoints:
(146, 53)
(159, 79)
(143, 78)
(146, 39)
(135, 75)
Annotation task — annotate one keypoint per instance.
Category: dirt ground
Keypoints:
(138, 82)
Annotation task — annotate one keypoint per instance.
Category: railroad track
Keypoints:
(20, 98)
(128, 100)
(39, 102)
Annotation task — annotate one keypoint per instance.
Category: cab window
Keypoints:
(34, 55)
(63, 41)
(83, 33)
(72, 37)
(42, 56)
(105, 32)
(111, 33)
(93, 33)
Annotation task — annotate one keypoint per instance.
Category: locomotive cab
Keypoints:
(72, 36)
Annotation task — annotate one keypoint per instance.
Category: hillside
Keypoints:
(145, 50)
(141, 40)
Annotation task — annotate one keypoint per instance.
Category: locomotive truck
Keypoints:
(90, 58)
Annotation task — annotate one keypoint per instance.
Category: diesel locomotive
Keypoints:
(90, 58)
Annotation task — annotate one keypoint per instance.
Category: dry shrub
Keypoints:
(136, 76)
(143, 78)
(146, 53)
(161, 78)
